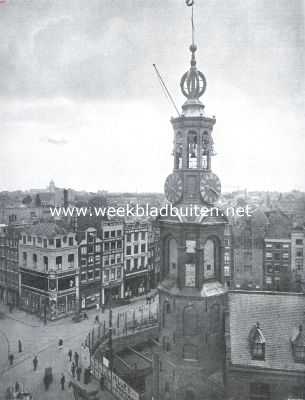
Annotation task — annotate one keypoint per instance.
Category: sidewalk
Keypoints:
(153, 293)
(34, 321)
(20, 316)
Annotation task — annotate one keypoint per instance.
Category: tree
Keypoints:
(27, 200)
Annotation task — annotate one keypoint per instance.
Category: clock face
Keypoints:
(210, 187)
(173, 188)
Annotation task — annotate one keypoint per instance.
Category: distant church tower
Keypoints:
(192, 293)
(52, 186)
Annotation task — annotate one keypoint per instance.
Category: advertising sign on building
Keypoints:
(122, 390)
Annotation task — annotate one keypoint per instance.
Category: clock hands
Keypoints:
(212, 190)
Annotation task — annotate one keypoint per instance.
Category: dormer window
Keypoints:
(257, 343)
(298, 346)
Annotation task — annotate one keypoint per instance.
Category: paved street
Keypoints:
(42, 341)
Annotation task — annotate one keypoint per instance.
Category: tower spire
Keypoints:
(193, 82)
(193, 27)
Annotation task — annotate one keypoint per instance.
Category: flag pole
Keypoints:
(193, 29)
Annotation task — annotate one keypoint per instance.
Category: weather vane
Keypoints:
(190, 3)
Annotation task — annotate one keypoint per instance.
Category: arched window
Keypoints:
(257, 343)
(190, 321)
(205, 150)
(190, 352)
(178, 155)
(172, 257)
(215, 320)
(192, 146)
(209, 259)
(46, 263)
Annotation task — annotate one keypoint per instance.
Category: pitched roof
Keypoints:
(279, 315)
(46, 229)
(279, 226)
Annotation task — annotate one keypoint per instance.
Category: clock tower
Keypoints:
(192, 294)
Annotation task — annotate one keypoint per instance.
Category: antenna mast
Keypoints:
(165, 90)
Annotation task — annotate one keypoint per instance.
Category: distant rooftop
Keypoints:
(46, 229)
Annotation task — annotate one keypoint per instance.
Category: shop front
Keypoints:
(136, 285)
(12, 297)
(66, 304)
(9, 296)
(49, 296)
(90, 296)
(115, 290)
(62, 296)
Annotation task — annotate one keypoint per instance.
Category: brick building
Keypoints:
(90, 268)
(297, 257)
(248, 244)
(9, 264)
(154, 256)
(48, 268)
(277, 252)
(113, 264)
(136, 255)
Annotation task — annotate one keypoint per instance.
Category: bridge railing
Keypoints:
(123, 324)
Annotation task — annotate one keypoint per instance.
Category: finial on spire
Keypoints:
(193, 82)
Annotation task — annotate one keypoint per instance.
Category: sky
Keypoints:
(80, 102)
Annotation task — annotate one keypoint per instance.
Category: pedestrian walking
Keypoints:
(97, 319)
(78, 373)
(35, 363)
(11, 358)
(73, 368)
(60, 344)
(76, 358)
(97, 307)
(17, 387)
(62, 381)
(70, 355)
(19, 346)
